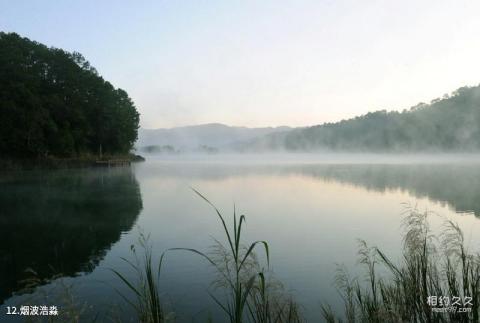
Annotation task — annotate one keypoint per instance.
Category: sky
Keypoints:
(264, 62)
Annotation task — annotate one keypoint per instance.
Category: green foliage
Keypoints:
(54, 103)
(448, 124)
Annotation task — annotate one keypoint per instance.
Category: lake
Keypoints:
(66, 229)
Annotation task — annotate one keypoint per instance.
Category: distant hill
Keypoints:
(210, 137)
(448, 124)
(451, 124)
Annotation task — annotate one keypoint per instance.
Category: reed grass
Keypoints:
(268, 303)
(432, 265)
(248, 294)
(251, 294)
(233, 270)
(148, 304)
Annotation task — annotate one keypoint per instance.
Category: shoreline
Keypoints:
(19, 164)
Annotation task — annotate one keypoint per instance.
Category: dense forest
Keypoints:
(54, 103)
(451, 124)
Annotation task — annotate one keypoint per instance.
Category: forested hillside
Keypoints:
(449, 124)
(54, 103)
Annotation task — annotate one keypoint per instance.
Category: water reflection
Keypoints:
(70, 219)
(457, 185)
(322, 208)
(62, 222)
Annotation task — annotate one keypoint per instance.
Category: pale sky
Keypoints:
(264, 62)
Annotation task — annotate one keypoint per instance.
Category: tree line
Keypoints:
(54, 103)
(450, 123)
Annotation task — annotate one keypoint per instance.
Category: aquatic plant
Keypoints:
(249, 295)
(268, 303)
(435, 271)
(148, 304)
(234, 271)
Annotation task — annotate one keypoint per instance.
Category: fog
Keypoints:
(317, 158)
(450, 124)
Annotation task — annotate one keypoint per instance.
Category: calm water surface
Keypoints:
(79, 223)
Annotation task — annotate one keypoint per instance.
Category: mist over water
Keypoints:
(325, 157)
(310, 208)
(327, 130)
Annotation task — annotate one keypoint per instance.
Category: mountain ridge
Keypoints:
(213, 135)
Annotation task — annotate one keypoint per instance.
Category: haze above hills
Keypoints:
(209, 137)
(447, 124)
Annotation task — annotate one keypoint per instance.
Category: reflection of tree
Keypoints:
(62, 222)
(455, 184)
